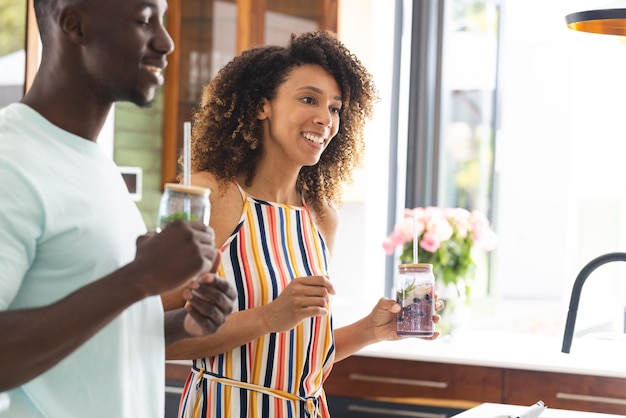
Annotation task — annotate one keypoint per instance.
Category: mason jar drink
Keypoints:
(415, 294)
(180, 202)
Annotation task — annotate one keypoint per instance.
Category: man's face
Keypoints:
(126, 49)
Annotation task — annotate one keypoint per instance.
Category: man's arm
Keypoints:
(34, 340)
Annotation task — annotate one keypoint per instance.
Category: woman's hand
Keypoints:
(383, 319)
(303, 298)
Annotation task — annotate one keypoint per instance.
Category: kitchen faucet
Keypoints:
(578, 285)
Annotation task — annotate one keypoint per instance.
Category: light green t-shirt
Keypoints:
(66, 219)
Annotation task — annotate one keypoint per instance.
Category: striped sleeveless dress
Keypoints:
(278, 374)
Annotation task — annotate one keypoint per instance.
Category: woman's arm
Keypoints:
(378, 325)
(304, 297)
(239, 329)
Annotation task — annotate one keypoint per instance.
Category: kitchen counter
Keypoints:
(472, 368)
(493, 410)
(510, 350)
(522, 335)
(491, 362)
(507, 350)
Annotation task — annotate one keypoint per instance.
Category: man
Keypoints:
(82, 328)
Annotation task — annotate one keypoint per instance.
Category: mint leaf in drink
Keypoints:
(404, 293)
(177, 216)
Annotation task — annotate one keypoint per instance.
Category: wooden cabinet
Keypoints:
(208, 34)
(361, 386)
(342, 407)
(566, 391)
(405, 379)
(463, 386)
(414, 382)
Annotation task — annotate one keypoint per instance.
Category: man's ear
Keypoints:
(71, 22)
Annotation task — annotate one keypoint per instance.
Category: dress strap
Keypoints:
(244, 195)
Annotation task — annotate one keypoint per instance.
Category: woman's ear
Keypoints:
(264, 110)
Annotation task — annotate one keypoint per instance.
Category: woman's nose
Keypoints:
(324, 117)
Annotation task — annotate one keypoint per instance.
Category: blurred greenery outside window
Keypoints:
(12, 57)
(468, 113)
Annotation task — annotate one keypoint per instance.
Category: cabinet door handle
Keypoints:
(174, 389)
(393, 412)
(589, 398)
(412, 382)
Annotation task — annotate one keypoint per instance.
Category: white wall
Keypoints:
(358, 263)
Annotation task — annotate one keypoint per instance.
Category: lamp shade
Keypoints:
(603, 21)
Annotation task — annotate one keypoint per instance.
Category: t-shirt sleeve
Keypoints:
(21, 221)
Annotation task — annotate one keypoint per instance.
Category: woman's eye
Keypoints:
(308, 100)
(335, 110)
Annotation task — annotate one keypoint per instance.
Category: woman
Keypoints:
(278, 133)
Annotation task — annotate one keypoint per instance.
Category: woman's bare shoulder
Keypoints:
(220, 189)
(226, 204)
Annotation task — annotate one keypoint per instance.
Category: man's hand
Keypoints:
(169, 260)
(210, 299)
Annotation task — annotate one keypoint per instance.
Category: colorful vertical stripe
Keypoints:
(278, 374)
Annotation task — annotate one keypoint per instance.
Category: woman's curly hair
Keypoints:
(227, 136)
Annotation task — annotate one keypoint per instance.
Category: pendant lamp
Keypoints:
(610, 21)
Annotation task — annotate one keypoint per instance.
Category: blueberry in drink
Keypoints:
(415, 295)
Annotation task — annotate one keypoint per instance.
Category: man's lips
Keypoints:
(156, 71)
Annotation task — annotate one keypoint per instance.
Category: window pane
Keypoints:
(12, 55)
(561, 194)
(469, 68)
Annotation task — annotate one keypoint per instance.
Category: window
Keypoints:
(528, 129)
(12, 51)
(561, 181)
(468, 117)
(450, 111)
(522, 121)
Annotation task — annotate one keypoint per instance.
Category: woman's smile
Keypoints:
(314, 138)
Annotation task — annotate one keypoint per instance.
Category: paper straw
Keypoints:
(186, 164)
(415, 241)
(186, 153)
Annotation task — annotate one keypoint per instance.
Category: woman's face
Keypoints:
(303, 117)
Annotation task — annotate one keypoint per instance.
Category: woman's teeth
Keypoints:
(314, 138)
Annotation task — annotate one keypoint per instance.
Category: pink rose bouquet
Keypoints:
(447, 237)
